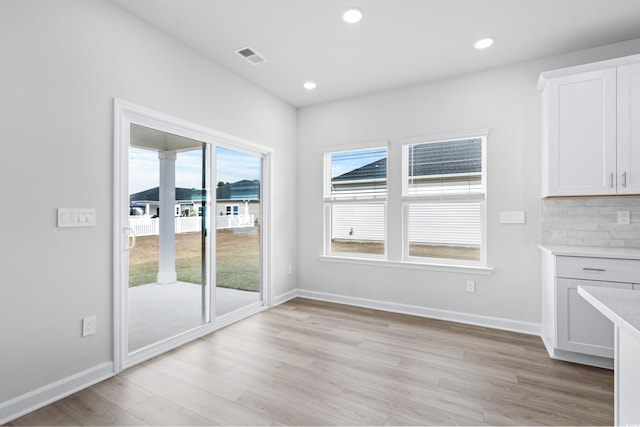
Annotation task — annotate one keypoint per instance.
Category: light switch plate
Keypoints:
(512, 217)
(76, 217)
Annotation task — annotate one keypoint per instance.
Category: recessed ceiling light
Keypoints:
(483, 43)
(352, 16)
(310, 85)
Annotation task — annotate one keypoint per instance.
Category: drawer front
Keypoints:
(603, 269)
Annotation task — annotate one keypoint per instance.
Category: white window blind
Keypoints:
(444, 190)
(355, 201)
(444, 168)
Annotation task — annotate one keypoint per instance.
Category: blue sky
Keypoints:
(232, 166)
(347, 161)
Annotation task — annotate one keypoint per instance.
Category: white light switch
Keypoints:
(512, 217)
(76, 217)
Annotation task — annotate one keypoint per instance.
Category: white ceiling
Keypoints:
(398, 42)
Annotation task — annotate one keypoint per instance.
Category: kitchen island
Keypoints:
(622, 307)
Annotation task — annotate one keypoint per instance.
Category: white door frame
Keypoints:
(125, 114)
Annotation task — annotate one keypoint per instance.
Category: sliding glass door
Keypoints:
(238, 243)
(169, 286)
(190, 229)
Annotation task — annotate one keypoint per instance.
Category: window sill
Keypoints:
(451, 268)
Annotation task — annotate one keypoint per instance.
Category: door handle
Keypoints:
(131, 233)
(611, 180)
(624, 179)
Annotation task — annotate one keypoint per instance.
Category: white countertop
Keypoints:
(594, 252)
(621, 306)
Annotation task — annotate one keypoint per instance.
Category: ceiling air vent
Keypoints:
(251, 55)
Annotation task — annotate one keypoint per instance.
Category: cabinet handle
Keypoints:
(611, 180)
(593, 269)
(624, 179)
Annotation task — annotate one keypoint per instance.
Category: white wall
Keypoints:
(506, 102)
(61, 65)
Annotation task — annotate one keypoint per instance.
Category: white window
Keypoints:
(233, 210)
(355, 194)
(444, 187)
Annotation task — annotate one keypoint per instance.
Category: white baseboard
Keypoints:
(432, 313)
(36, 399)
(282, 298)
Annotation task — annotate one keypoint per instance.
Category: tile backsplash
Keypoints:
(590, 222)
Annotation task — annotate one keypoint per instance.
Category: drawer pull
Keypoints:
(593, 269)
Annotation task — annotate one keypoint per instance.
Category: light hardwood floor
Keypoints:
(314, 363)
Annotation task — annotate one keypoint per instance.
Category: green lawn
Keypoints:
(237, 259)
(470, 253)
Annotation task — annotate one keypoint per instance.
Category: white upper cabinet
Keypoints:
(591, 144)
(629, 129)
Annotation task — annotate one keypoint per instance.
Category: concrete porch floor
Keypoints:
(160, 311)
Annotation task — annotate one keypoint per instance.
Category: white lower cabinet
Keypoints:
(572, 329)
(580, 327)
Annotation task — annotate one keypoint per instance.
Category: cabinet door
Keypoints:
(629, 129)
(581, 151)
(581, 327)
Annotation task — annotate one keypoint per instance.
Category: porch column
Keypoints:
(167, 238)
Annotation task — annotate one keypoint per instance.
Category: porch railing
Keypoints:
(146, 226)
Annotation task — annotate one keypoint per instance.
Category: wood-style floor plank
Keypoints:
(309, 362)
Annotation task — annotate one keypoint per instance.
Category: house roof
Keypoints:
(446, 158)
(182, 195)
(241, 190)
(433, 158)
(375, 170)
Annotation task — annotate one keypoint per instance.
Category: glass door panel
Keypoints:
(238, 237)
(168, 266)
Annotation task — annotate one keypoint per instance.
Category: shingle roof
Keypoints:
(434, 158)
(445, 158)
(377, 169)
(182, 195)
(241, 190)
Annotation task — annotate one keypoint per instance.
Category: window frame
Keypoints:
(480, 198)
(232, 209)
(329, 201)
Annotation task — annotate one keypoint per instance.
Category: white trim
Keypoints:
(448, 198)
(327, 152)
(353, 255)
(444, 137)
(428, 264)
(36, 399)
(171, 343)
(124, 115)
(282, 298)
(356, 146)
(528, 328)
(583, 359)
(594, 66)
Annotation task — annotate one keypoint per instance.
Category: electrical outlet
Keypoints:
(88, 326)
(624, 217)
(471, 286)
